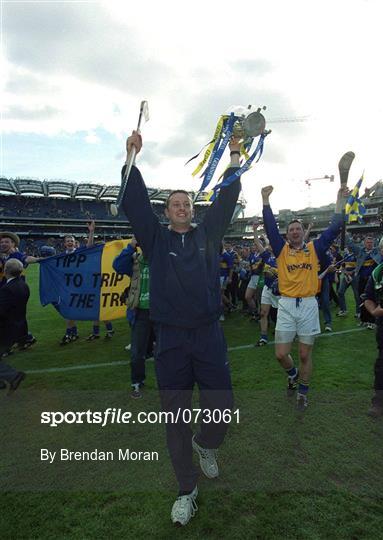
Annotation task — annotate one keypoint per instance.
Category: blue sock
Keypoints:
(96, 329)
(264, 336)
(108, 326)
(292, 372)
(73, 331)
(303, 388)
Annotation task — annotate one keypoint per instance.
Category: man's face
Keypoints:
(295, 233)
(7, 245)
(69, 243)
(368, 243)
(179, 210)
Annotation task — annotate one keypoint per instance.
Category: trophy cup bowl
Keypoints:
(249, 124)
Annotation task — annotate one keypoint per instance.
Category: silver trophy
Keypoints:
(250, 123)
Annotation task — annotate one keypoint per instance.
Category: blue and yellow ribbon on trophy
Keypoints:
(244, 124)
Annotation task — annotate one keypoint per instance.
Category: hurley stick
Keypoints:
(144, 114)
(344, 166)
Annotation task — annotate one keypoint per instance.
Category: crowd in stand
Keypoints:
(70, 208)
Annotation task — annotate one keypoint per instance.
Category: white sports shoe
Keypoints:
(207, 460)
(184, 508)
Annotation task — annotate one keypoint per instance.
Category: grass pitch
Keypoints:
(283, 475)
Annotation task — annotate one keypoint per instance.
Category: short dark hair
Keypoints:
(177, 191)
(294, 221)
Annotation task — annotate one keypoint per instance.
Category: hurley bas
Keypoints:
(122, 454)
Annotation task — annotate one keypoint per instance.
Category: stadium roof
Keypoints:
(7, 186)
(27, 186)
(59, 187)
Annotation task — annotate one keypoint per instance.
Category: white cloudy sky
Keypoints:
(75, 73)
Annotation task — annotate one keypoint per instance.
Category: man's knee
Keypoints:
(281, 356)
(305, 356)
(249, 294)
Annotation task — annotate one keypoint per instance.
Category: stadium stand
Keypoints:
(43, 211)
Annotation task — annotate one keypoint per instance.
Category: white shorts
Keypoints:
(268, 298)
(297, 316)
(253, 282)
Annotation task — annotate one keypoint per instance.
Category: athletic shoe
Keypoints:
(375, 411)
(371, 326)
(262, 342)
(184, 508)
(92, 337)
(109, 334)
(222, 318)
(13, 385)
(207, 459)
(327, 328)
(27, 343)
(66, 339)
(136, 394)
(302, 402)
(341, 313)
(74, 337)
(292, 383)
(128, 347)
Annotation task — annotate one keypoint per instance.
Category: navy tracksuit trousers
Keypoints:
(185, 356)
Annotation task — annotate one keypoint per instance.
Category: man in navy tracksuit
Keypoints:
(185, 305)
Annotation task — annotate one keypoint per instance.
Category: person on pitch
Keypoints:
(367, 259)
(373, 302)
(185, 305)
(298, 312)
(268, 299)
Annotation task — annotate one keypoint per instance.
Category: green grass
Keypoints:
(282, 475)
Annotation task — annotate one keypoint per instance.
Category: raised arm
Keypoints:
(306, 237)
(219, 214)
(91, 229)
(322, 244)
(136, 203)
(257, 242)
(276, 240)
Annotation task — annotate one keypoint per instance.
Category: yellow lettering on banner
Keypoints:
(112, 284)
(209, 149)
(244, 153)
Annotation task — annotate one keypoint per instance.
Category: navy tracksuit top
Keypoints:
(184, 268)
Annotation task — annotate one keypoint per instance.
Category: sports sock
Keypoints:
(73, 331)
(96, 329)
(303, 387)
(182, 493)
(109, 326)
(264, 336)
(292, 372)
